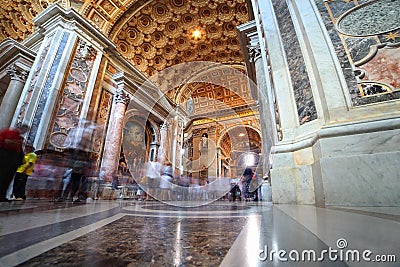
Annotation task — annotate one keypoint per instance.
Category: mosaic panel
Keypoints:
(359, 48)
(371, 19)
(134, 144)
(387, 77)
(367, 27)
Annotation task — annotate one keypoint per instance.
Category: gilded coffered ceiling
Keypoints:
(152, 34)
(16, 17)
(163, 33)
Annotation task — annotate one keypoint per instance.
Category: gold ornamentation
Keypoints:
(392, 36)
(168, 33)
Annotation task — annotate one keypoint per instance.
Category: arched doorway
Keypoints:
(240, 148)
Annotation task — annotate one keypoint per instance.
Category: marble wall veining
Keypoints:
(329, 11)
(389, 72)
(46, 92)
(359, 48)
(300, 80)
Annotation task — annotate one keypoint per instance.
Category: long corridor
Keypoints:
(135, 233)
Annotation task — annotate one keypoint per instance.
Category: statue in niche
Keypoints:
(204, 140)
(189, 105)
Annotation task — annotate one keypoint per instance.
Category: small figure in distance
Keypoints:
(23, 171)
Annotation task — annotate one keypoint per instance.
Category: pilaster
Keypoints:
(10, 100)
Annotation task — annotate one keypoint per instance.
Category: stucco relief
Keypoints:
(73, 94)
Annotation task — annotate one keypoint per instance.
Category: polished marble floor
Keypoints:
(223, 233)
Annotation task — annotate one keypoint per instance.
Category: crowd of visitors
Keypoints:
(154, 181)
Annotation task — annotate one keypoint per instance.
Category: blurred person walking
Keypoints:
(167, 178)
(79, 153)
(248, 191)
(11, 156)
(153, 176)
(23, 171)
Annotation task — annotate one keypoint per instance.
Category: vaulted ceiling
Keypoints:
(167, 32)
(153, 34)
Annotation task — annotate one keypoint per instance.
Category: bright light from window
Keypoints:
(242, 134)
(250, 160)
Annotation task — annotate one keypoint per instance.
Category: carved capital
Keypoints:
(165, 126)
(17, 73)
(254, 52)
(122, 97)
(85, 51)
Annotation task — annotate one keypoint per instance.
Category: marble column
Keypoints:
(114, 139)
(175, 130)
(12, 95)
(219, 162)
(266, 100)
(162, 150)
(212, 160)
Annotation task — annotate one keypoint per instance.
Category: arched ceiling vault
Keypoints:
(160, 33)
(238, 137)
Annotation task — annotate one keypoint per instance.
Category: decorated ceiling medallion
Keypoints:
(229, 29)
(160, 13)
(182, 43)
(371, 18)
(178, 6)
(140, 62)
(218, 45)
(225, 13)
(213, 32)
(159, 63)
(169, 52)
(189, 21)
(207, 15)
(203, 49)
(146, 24)
(148, 51)
(158, 39)
(135, 36)
(241, 13)
(172, 29)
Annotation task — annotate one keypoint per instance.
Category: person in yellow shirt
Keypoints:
(23, 171)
